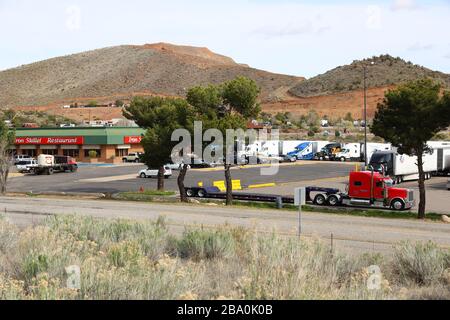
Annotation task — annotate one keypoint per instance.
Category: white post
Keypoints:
(300, 200)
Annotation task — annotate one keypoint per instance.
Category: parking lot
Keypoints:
(122, 178)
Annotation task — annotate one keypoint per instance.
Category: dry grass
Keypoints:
(140, 260)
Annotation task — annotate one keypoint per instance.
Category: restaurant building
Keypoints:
(110, 144)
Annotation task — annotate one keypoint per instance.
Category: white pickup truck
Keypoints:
(26, 166)
(153, 173)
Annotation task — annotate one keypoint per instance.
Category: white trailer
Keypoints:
(401, 167)
(267, 148)
(373, 147)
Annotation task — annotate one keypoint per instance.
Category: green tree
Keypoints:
(7, 137)
(119, 103)
(228, 106)
(161, 117)
(241, 96)
(410, 116)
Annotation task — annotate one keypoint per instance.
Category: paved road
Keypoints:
(123, 178)
(353, 234)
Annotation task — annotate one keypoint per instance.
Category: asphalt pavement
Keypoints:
(352, 234)
(124, 178)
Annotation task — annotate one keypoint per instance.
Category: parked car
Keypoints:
(21, 157)
(133, 157)
(26, 166)
(200, 163)
(289, 158)
(153, 173)
(176, 166)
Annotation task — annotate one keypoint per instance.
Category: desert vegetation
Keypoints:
(121, 259)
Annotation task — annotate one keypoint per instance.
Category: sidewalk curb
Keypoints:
(62, 194)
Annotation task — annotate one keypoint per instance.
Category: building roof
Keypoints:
(92, 135)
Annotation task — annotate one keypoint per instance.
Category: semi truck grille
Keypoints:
(411, 195)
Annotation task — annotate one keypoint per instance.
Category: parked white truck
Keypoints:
(48, 164)
(350, 152)
(401, 167)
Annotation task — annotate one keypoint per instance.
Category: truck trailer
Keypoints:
(401, 167)
(49, 164)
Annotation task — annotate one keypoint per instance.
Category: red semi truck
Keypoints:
(366, 189)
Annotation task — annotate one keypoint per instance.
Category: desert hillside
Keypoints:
(125, 71)
(108, 74)
(382, 71)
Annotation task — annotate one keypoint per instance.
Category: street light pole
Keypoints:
(365, 116)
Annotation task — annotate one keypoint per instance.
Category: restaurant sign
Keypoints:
(50, 140)
(132, 140)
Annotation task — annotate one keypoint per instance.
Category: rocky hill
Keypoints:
(382, 71)
(124, 71)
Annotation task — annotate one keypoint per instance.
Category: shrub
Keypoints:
(421, 263)
(204, 244)
(92, 154)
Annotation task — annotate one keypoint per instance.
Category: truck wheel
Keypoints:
(137, 160)
(143, 175)
(343, 159)
(320, 200)
(397, 205)
(189, 192)
(333, 201)
(50, 171)
(201, 193)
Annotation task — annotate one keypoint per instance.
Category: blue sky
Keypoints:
(302, 38)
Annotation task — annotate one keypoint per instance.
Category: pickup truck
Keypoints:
(26, 166)
(133, 157)
(21, 157)
(153, 173)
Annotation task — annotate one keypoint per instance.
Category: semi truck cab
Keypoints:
(372, 188)
(366, 189)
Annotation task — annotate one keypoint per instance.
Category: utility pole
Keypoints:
(366, 160)
(365, 116)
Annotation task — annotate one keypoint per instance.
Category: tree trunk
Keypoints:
(183, 196)
(4, 177)
(422, 203)
(161, 179)
(229, 185)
